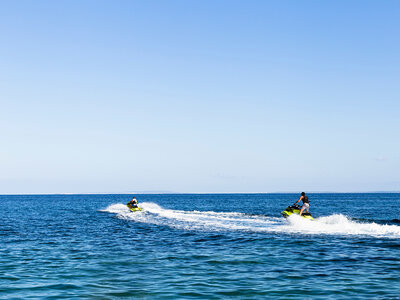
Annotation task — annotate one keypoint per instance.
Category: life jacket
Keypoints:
(133, 203)
(305, 200)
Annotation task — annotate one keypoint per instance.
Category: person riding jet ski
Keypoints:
(133, 203)
(306, 203)
(295, 209)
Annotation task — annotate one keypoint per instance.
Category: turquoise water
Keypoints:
(199, 246)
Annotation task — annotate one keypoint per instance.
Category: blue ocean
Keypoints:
(199, 246)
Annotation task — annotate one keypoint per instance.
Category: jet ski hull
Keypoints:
(294, 209)
(134, 208)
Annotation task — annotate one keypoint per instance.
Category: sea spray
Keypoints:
(220, 221)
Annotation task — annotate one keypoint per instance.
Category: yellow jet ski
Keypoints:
(295, 209)
(134, 208)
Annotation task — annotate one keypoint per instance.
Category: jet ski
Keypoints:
(134, 208)
(295, 209)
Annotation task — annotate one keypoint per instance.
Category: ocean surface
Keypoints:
(207, 246)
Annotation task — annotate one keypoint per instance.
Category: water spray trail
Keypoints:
(233, 221)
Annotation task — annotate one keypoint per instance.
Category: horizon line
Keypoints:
(193, 193)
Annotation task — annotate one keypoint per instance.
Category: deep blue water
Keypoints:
(199, 246)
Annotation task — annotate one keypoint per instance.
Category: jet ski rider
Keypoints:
(133, 203)
(306, 203)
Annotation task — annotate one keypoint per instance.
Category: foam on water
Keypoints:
(340, 224)
(216, 221)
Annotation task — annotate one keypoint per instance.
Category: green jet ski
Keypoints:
(134, 208)
(295, 209)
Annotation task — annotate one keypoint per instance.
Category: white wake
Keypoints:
(221, 221)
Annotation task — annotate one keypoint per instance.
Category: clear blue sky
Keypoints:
(199, 96)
